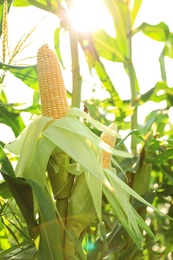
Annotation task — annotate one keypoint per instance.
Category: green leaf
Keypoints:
(158, 32)
(49, 6)
(119, 12)
(71, 143)
(1, 15)
(165, 190)
(50, 245)
(134, 11)
(95, 188)
(57, 44)
(168, 50)
(130, 164)
(132, 252)
(130, 191)
(118, 195)
(34, 109)
(5, 163)
(94, 61)
(24, 250)
(33, 149)
(107, 46)
(81, 212)
(21, 3)
(27, 74)
(22, 193)
(12, 118)
(4, 191)
(161, 158)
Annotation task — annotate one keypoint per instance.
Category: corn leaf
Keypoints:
(21, 251)
(158, 32)
(57, 44)
(5, 164)
(21, 3)
(95, 188)
(135, 10)
(73, 125)
(81, 114)
(34, 152)
(76, 146)
(1, 15)
(95, 62)
(27, 74)
(130, 191)
(119, 12)
(50, 246)
(49, 6)
(22, 193)
(4, 191)
(81, 212)
(118, 196)
(107, 46)
(12, 118)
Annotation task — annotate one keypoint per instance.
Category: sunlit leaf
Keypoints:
(49, 6)
(158, 32)
(119, 12)
(107, 46)
(95, 188)
(21, 3)
(57, 44)
(134, 11)
(33, 149)
(118, 195)
(12, 118)
(27, 74)
(94, 61)
(168, 50)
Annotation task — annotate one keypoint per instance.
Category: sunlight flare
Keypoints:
(87, 16)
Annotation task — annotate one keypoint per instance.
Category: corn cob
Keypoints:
(52, 89)
(54, 104)
(110, 140)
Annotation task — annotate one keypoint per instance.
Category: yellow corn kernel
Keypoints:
(51, 83)
(110, 140)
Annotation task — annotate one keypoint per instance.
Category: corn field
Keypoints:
(72, 185)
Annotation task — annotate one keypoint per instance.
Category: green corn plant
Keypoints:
(61, 155)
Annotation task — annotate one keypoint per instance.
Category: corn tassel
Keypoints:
(110, 140)
(5, 31)
(54, 104)
(52, 89)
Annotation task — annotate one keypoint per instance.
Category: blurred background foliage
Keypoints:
(150, 172)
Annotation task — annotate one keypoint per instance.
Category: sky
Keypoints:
(145, 51)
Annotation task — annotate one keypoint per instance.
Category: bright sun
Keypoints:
(87, 15)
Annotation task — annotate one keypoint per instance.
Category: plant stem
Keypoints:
(162, 66)
(133, 87)
(76, 92)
